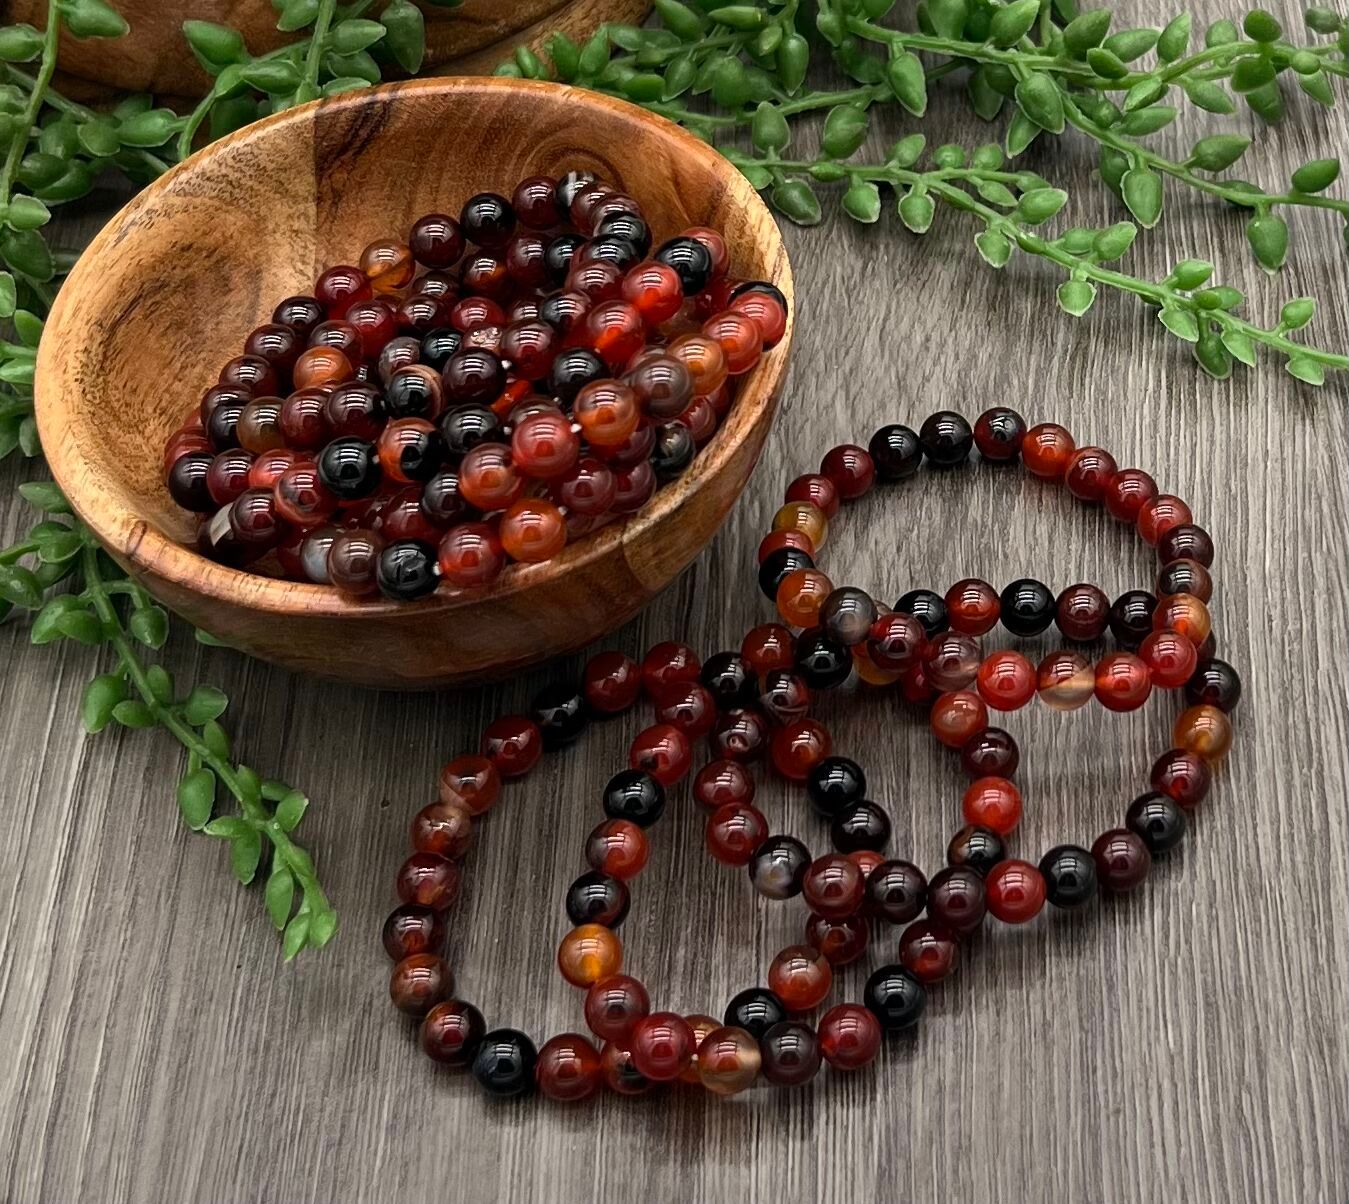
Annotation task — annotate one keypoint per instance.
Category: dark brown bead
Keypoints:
(896, 891)
(413, 929)
(740, 735)
(791, 1053)
(955, 897)
(1082, 613)
(451, 1032)
(1186, 542)
(1122, 859)
(990, 753)
(419, 982)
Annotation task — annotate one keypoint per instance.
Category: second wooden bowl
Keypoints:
(168, 290)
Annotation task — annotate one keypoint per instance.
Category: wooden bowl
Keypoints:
(170, 287)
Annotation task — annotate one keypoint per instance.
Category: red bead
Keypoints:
(616, 331)
(990, 753)
(662, 1046)
(1122, 859)
(866, 860)
(801, 977)
(1160, 514)
(850, 1036)
(715, 243)
(1182, 776)
(734, 831)
(896, 640)
(617, 847)
(568, 1068)
(972, 606)
(768, 647)
(957, 716)
(740, 735)
(419, 982)
(1170, 657)
(470, 555)
(850, 468)
(613, 1005)
(833, 886)
(956, 899)
(598, 280)
(666, 664)
(842, 941)
(689, 707)
(720, 782)
(1088, 470)
(428, 879)
(444, 828)
(531, 347)
(513, 744)
(1015, 891)
(404, 518)
(532, 530)
(436, 241)
(1123, 682)
(376, 322)
(611, 682)
(466, 316)
(663, 751)
(767, 314)
(1046, 450)
(930, 952)
(341, 287)
(654, 291)
(739, 338)
(1127, 492)
(992, 803)
(620, 1073)
(1007, 681)
(819, 490)
(488, 477)
(413, 929)
(798, 747)
(535, 202)
(451, 1032)
(1082, 613)
(589, 489)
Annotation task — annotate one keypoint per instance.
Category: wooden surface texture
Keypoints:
(1184, 1044)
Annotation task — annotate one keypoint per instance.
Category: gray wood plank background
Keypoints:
(1185, 1043)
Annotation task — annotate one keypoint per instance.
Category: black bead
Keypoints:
(187, 482)
(860, 825)
(1156, 820)
(573, 369)
(979, 849)
(1181, 577)
(760, 286)
(612, 249)
(222, 427)
(558, 256)
(504, 1062)
(729, 680)
(928, 608)
(301, 314)
(835, 783)
(560, 711)
(896, 452)
(896, 891)
(441, 501)
(1131, 617)
(406, 570)
(755, 1010)
(673, 451)
(438, 345)
(1216, 683)
(691, 261)
(628, 226)
(487, 219)
(464, 427)
(350, 468)
(634, 795)
(1027, 607)
(821, 660)
(946, 439)
(597, 898)
(1070, 875)
(777, 565)
(895, 997)
(420, 457)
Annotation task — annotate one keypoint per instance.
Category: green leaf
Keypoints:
(405, 34)
(1040, 204)
(796, 201)
(916, 210)
(203, 704)
(1085, 31)
(1144, 93)
(1250, 74)
(1317, 87)
(297, 932)
(347, 37)
(904, 73)
(1260, 26)
(1038, 96)
(862, 201)
(214, 45)
(1114, 241)
(216, 739)
(45, 496)
(730, 88)
(1075, 297)
(906, 151)
(986, 100)
(1208, 96)
(996, 194)
(1175, 39)
(99, 698)
(1240, 346)
(160, 683)
(768, 129)
(1316, 175)
(994, 247)
(1221, 296)
(793, 60)
(296, 14)
(149, 129)
(1130, 44)
(245, 853)
(1012, 22)
(1180, 322)
(1213, 357)
(1221, 33)
(1191, 273)
(1268, 236)
(276, 77)
(1307, 370)
(150, 625)
(1021, 132)
(744, 17)
(845, 129)
(566, 56)
(1323, 20)
(92, 19)
(19, 587)
(133, 713)
(60, 548)
(680, 19)
(1147, 121)
(27, 213)
(948, 17)
(227, 827)
(19, 44)
(290, 810)
(28, 326)
(1297, 313)
(1267, 102)
(279, 896)
(1106, 63)
(1142, 189)
(322, 927)
(81, 626)
(99, 138)
(26, 251)
(196, 798)
(46, 626)
(1218, 152)
(9, 296)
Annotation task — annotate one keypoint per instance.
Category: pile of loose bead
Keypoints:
(754, 705)
(544, 372)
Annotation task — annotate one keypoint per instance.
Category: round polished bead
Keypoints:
(1006, 680)
(471, 781)
(975, 848)
(1065, 680)
(667, 663)
(972, 606)
(835, 783)
(778, 867)
(956, 899)
(821, 660)
(504, 1062)
(1069, 874)
(1122, 859)
(734, 832)
(1046, 450)
(1015, 891)
(847, 615)
(728, 1061)
(1131, 617)
(353, 561)
(849, 1036)
(768, 647)
(841, 941)
(451, 1032)
(636, 796)
(1027, 607)
(850, 469)
(1203, 730)
(740, 735)
(1127, 492)
(791, 1053)
(992, 802)
(766, 313)
(1170, 657)
(928, 951)
(927, 607)
(833, 887)
(689, 707)
(618, 847)
(1186, 614)
(860, 825)
(1185, 577)
(946, 439)
(720, 782)
(1158, 821)
(662, 1046)
(801, 977)
(785, 697)
(613, 1005)
(406, 570)
(428, 879)
(1214, 683)
(798, 747)
(779, 564)
(596, 898)
(894, 996)
(692, 262)
(620, 1072)
(896, 641)
(589, 953)
(998, 434)
(663, 751)
(896, 891)
(990, 753)
(1088, 471)
(951, 661)
(419, 982)
(1123, 682)
(513, 744)
(560, 712)
(612, 682)
(896, 452)
(443, 828)
(755, 1010)
(1159, 515)
(729, 680)
(411, 929)
(739, 337)
(1181, 775)
(1186, 542)
(1082, 613)
(957, 717)
(568, 1068)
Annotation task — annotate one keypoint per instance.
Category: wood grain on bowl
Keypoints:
(169, 289)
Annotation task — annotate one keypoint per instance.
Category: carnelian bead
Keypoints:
(972, 606)
(471, 554)
(1006, 680)
(1082, 612)
(850, 468)
(720, 782)
(544, 445)
(801, 594)
(951, 660)
(766, 313)
(616, 331)
(896, 641)
(1185, 577)
(568, 1068)
(611, 682)
(321, 366)
(992, 803)
(1065, 680)
(689, 707)
(259, 427)
(301, 498)
(739, 338)
(444, 828)
(268, 468)
(1182, 776)
(1160, 514)
(1088, 471)
(833, 886)
(850, 1036)
(1014, 891)
(409, 449)
(816, 489)
(868, 670)
(704, 359)
(488, 478)
(1046, 450)
(1183, 613)
(663, 751)
(799, 747)
(533, 530)
(728, 1061)
(1170, 656)
(842, 941)
(956, 716)
(702, 1025)
(388, 265)
(429, 880)
(768, 647)
(340, 287)
(613, 1005)
(419, 982)
(607, 412)
(715, 244)
(666, 663)
(1203, 730)
(513, 744)
(617, 847)
(801, 977)
(662, 1045)
(589, 953)
(734, 831)
(470, 781)
(1127, 492)
(928, 951)
(654, 291)
(1123, 682)
(806, 518)
(621, 1075)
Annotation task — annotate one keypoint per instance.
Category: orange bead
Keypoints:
(388, 265)
(1183, 613)
(488, 478)
(992, 803)
(703, 1026)
(869, 671)
(1065, 681)
(804, 517)
(533, 530)
(958, 715)
(588, 953)
(654, 291)
(320, 366)
(1006, 681)
(801, 977)
(739, 338)
(728, 1061)
(618, 847)
(607, 412)
(1123, 682)
(704, 359)
(1203, 730)
(471, 781)
(973, 606)
(1046, 450)
(801, 594)
(798, 747)
(1170, 657)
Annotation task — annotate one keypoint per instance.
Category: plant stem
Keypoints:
(309, 78)
(34, 106)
